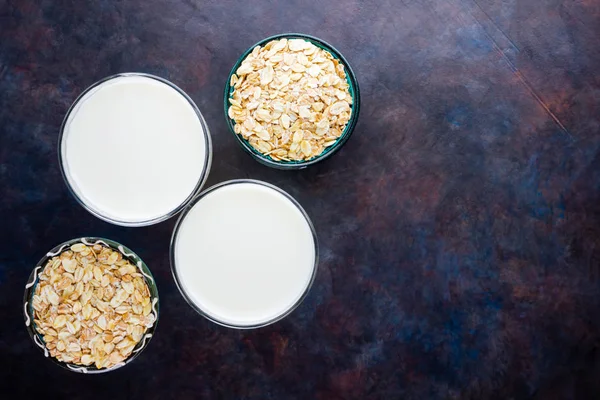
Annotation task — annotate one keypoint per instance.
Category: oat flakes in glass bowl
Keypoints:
(91, 305)
(291, 100)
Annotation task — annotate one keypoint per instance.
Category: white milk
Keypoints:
(134, 149)
(244, 254)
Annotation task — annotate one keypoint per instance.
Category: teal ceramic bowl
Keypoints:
(33, 281)
(329, 151)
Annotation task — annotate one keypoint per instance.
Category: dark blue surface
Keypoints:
(459, 227)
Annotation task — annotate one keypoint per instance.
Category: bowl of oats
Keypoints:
(291, 100)
(91, 305)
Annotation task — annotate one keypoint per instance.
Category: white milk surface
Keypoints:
(244, 254)
(133, 149)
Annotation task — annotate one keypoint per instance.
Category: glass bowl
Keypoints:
(205, 313)
(66, 173)
(33, 281)
(329, 151)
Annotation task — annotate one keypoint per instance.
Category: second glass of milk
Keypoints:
(134, 149)
(244, 254)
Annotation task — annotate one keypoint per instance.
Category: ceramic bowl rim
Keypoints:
(346, 134)
(33, 281)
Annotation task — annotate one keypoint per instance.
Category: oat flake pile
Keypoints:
(291, 99)
(92, 306)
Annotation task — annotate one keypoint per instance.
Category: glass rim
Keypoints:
(348, 130)
(33, 281)
(197, 308)
(97, 213)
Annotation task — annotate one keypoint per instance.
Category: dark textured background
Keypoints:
(459, 227)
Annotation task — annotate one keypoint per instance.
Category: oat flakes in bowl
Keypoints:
(291, 101)
(91, 305)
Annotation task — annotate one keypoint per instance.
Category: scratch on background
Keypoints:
(512, 65)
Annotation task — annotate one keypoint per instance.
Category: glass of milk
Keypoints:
(134, 149)
(244, 254)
